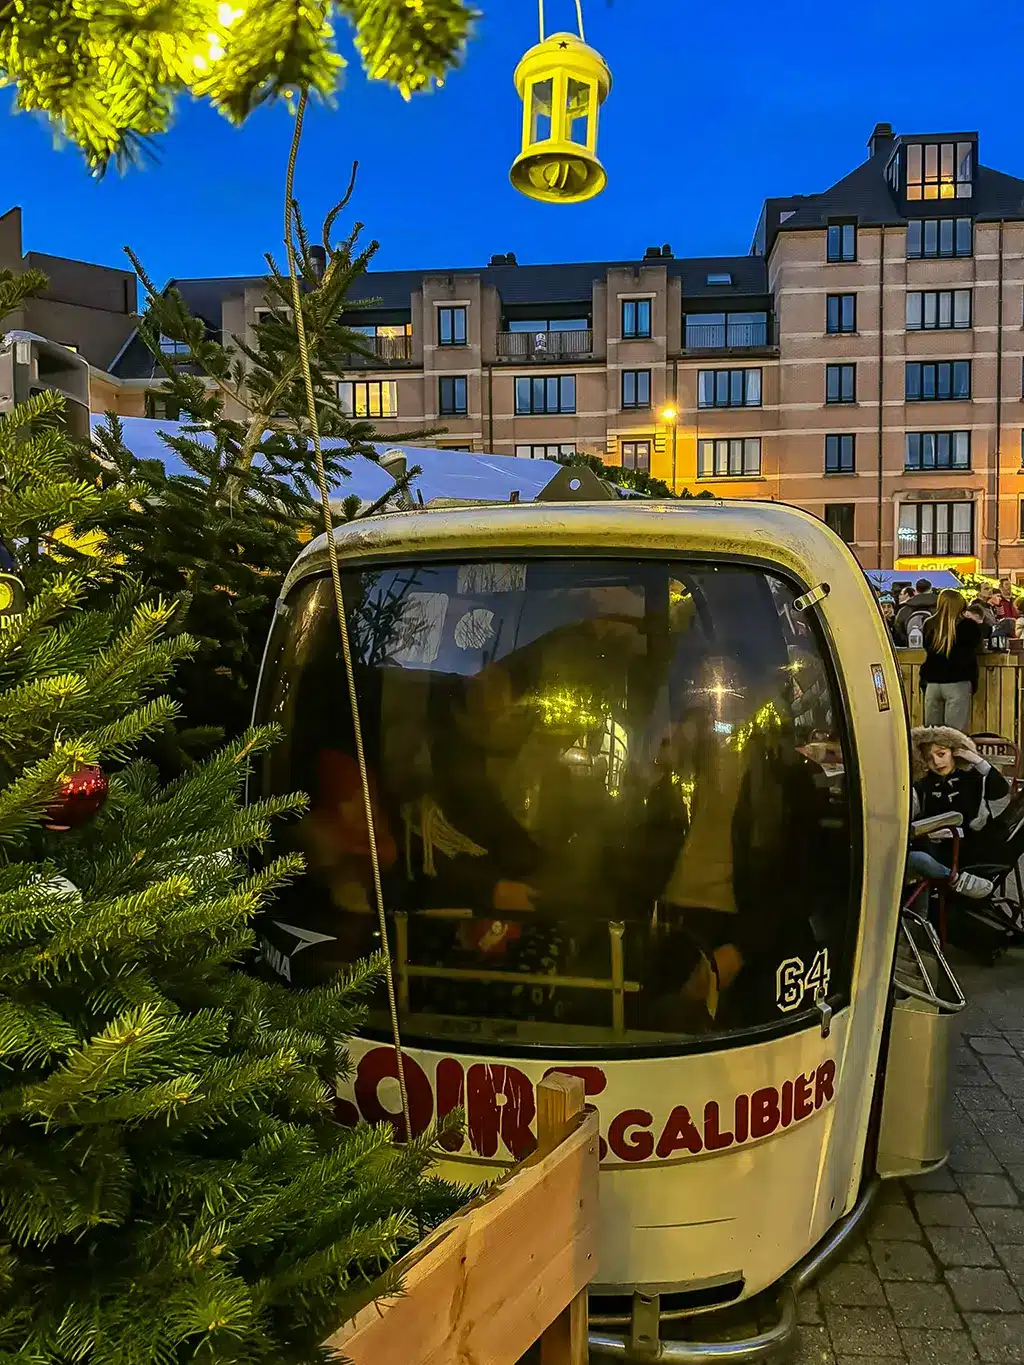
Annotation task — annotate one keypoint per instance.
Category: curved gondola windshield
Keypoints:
(610, 797)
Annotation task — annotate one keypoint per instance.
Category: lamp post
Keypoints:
(671, 416)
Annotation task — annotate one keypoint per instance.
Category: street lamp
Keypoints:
(671, 416)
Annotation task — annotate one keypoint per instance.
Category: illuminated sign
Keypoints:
(960, 564)
(500, 1106)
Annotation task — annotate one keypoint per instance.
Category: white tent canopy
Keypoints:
(446, 473)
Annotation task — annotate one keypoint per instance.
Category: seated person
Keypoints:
(950, 775)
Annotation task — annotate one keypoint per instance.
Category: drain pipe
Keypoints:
(996, 477)
(490, 409)
(881, 395)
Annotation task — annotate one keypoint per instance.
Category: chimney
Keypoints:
(508, 258)
(318, 260)
(653, 253)
(666, 250)
(881, 139)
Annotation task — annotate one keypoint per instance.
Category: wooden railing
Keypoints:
(997, 705)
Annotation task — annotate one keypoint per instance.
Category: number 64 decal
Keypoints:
(793, 980)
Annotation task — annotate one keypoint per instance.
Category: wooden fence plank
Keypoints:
(559, 1099)
(996, 708)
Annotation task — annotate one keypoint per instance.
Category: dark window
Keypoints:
(547, 394)
(940, 170)
(548, 324)
(841, 313)
(936, 528)
(939, 237)
(171, 346)
(718, 331)
(1020, 532)
(163, 408)
(369, 397)
(636, 318)
(842, 241)
(463, 666)
(839, 517)
(452, 396)
(939, 380)
(636, 455)
(840, 454)
(937, 450)
(729, 388)
(938, 309)
(451, 326)
(636, 388)
(735, 455)
(548, 451)
(840, 383)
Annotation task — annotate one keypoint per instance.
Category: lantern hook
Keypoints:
(579, 19)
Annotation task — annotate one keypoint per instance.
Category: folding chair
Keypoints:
(1003, 754)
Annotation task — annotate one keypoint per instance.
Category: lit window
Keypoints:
(940, 170)
(549, 394)
(842, 242)
(451, 326)
(840, 454)
(839, 517)
(937, 450)
(939, 237)
(841, 313)
(936, 528)
(451, 396)
(636, 455)
(938, 309)
(636, 318)
(735, 456)
(549, 451)
(938, 380)
(729, 388)
(636, 388)
(368, 398)
(840, 383)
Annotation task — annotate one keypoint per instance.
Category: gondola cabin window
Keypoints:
(612, 800)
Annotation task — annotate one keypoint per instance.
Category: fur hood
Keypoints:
(923, 735)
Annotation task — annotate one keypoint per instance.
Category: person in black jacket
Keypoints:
(923, 600)
(949, 674)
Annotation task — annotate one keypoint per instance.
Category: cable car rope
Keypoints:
(579, 18)
(339, 603)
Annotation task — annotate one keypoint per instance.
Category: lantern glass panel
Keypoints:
(577, 108)
(540, 111)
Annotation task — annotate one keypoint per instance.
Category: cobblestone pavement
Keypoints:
(938, 1278)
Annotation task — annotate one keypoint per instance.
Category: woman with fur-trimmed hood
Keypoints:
(950, 775)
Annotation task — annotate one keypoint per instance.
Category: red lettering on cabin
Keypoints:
(593, 1078)
(714, 1139)
(764, 1112)
(631, 1146)
(787, 1103)
(451, 1095)
(679, 1133)
(500, 1103)
(742, 1118)
(382, 1064)
(803, 1102)
(824, 1083)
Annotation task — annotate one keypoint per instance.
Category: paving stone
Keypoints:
(1005, 1227)
(856, 1251)
(894, 1223)
(998, 1336)
(1015, 1037)
(853, 1286)
(808, 1309)
(1015, 1170)
(987, 1190)
(937, 1348)
(974, 1157)
(944, 1211)
(961, 1246)
(871, 1360)
(1013, 1261)
(813, 1347)
(991, 1045)
(863, 1331)
(982, 1291)
(979, 1099)
(903, 1261)
(941, 1178)
(921, 1305)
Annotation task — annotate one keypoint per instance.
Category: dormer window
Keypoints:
(719, 277)
(940, 170)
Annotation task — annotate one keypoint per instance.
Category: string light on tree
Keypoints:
(562, 83)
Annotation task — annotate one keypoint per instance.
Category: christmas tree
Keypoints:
(172, 1183)
(225, 533)
(109, 84)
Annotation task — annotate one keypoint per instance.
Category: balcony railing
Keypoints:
(940, 544)
(728, 336)
(556, 346)
(386, 351)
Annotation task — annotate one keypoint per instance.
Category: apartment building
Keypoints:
(863, 361)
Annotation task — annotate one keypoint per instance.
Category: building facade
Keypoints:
(863, 361)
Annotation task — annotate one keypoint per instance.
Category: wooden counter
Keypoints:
(997, 706)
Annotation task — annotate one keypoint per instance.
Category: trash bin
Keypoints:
(914, 1136)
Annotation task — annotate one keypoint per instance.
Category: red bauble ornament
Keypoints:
(78, 799)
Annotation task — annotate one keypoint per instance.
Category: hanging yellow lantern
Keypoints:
(562, 82)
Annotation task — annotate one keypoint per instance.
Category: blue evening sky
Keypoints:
(713, 108)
